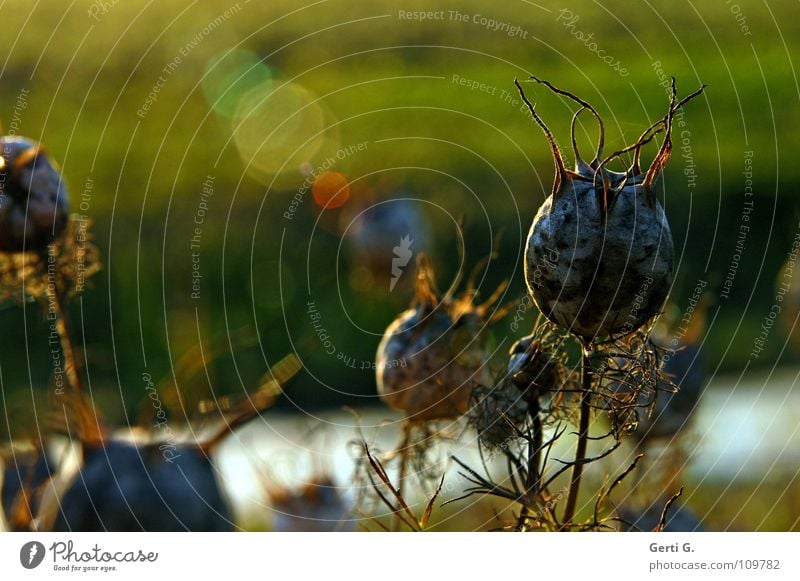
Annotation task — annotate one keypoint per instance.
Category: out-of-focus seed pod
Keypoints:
(317, 507)
(433, 354)
(33, 196)
(680, 519)
(674, 406)
(125, 487)
(599, 253)
(390, 228)
(683, 367)
(24, 474)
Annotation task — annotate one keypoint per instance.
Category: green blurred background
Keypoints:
(143, 104)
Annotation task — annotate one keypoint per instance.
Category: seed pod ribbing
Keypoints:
(599, 254)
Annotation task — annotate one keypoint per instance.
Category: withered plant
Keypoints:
(599, 262)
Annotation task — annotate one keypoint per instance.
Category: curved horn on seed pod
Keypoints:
(657, 166)
(561, 170)
(584, 105)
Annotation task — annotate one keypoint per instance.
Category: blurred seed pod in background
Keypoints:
(126, 487)
(24, 474)
(498, 413)
(674, 407)
(380, 239)
(433, 354)
(679, 519)
(319, 506)
(665, 412)
(33, 197)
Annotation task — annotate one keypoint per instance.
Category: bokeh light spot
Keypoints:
(228, 76)
(330, 190)
(277, 126)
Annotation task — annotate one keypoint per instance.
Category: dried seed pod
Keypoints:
(33, 196)
(534, 367)
(432, 355)
(599, 253)
(498, 413)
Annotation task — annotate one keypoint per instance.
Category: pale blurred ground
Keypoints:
(745, 434)
(741, 473)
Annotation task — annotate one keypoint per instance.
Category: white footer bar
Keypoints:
(406, 556)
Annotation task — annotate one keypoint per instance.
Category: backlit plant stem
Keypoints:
(88, 428)
(534, 479)
(403, 469)
(583, 439)
(62, 327)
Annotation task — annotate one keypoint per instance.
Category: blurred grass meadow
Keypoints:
(248, 168)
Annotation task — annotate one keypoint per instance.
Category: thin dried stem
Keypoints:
(662, 522)
(601, 498)
(404, 452)
(89, 430)
(379, 470)
(580, 451)
(533, 476)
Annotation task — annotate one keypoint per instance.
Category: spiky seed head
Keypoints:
(599, 255)
(433, 354)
